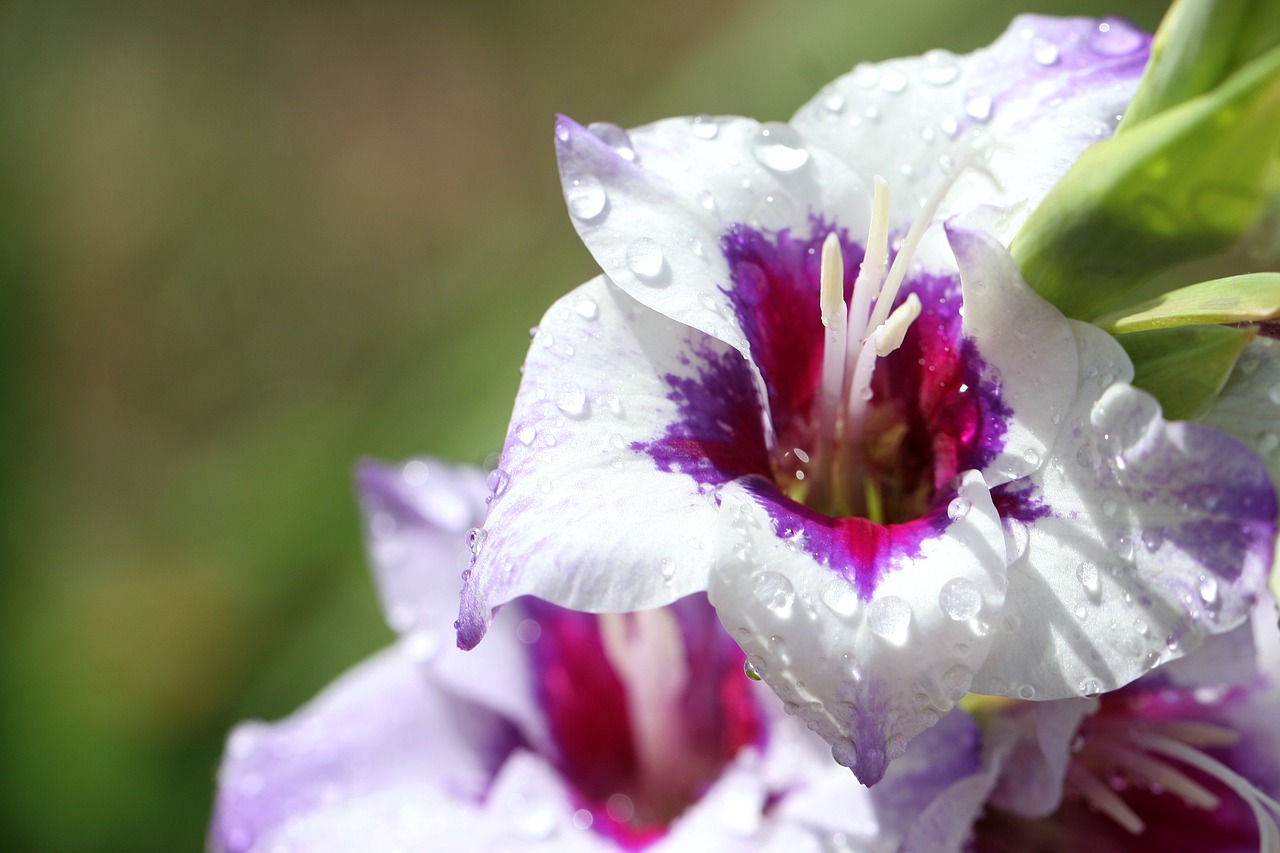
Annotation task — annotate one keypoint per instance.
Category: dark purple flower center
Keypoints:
(606, 752)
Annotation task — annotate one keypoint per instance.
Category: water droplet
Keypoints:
(775, 592)
(1045, 54)
(832, 101)
(841, 598)
(707, 200)
(1115, 39)
(893, 81)
(1026, 691)
(845, 753)
(1274, 393)
(1152, 539)
(958, 508)
(668, 569)
(572, 400)
(497, 481)
(1208, 589)
(586, 198)
(866, 75)
(645, 260)
(614, 404)
(1032, 458)
(475, 538)
(704, 126)
(1089, 687)
(978, 108)
(1087, 574)
(890, 618)
(753, 670)
(940, 68)
(615, 137)
(779, 147)
(586, 308)
(960, 599)
(949, 125)
(527, 434)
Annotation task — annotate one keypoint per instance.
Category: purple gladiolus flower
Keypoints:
(896, 482)
(567, 732)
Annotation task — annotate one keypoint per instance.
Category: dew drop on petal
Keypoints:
(845, 753)
(1045, 54)
(572, 400)
(775, 592)
(978, 108)
(1208, 589)
(645, 260)
(527, 434)
(960, 599)
(1027, 692)
(958, 508)
(1089, 687)
(1087, 574)
(832, 101)
(615, 137)
(940, 68)
(753, 670)
(893, 81)
(586, 308)
(955, 682)
(497, 481)
(586, 198)
(890, 618)
(779, 147)
(707, 200)
(704, 127)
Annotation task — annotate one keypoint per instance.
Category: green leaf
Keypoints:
(1185, 368)
(1236, 299)
(1184, 184)
(1199, 44)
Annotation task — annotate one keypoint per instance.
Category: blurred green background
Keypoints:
(243, 244)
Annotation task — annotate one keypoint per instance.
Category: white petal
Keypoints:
(1144, 537)
(868, 662)
(416, 517)
(624, 425)
(379, 729)
(1038, 96)
(664, 215)
(1027, 350)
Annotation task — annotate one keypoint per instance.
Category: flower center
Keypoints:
(858, 336)
(645, 709)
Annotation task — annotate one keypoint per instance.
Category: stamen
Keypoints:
(646, 651)
(866, 287)
(898, 270)
(1105, 800)
(1159, 773)
(1265, 809)
(890, 335)
(833, 318)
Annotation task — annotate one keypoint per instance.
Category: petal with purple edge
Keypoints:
(416, 516)
(379, 730)
(663, 213)
(1043, 92)
(870, 633)
(624, 425)
(1143, 537)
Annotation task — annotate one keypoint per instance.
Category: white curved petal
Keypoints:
(416, 517)
(623, 426)
(1142, 538)
(658, 218)
(379, 730)
(1030, 747)
(1037, 97)
(1026, 348)
(867, 665)
(1249, 406)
